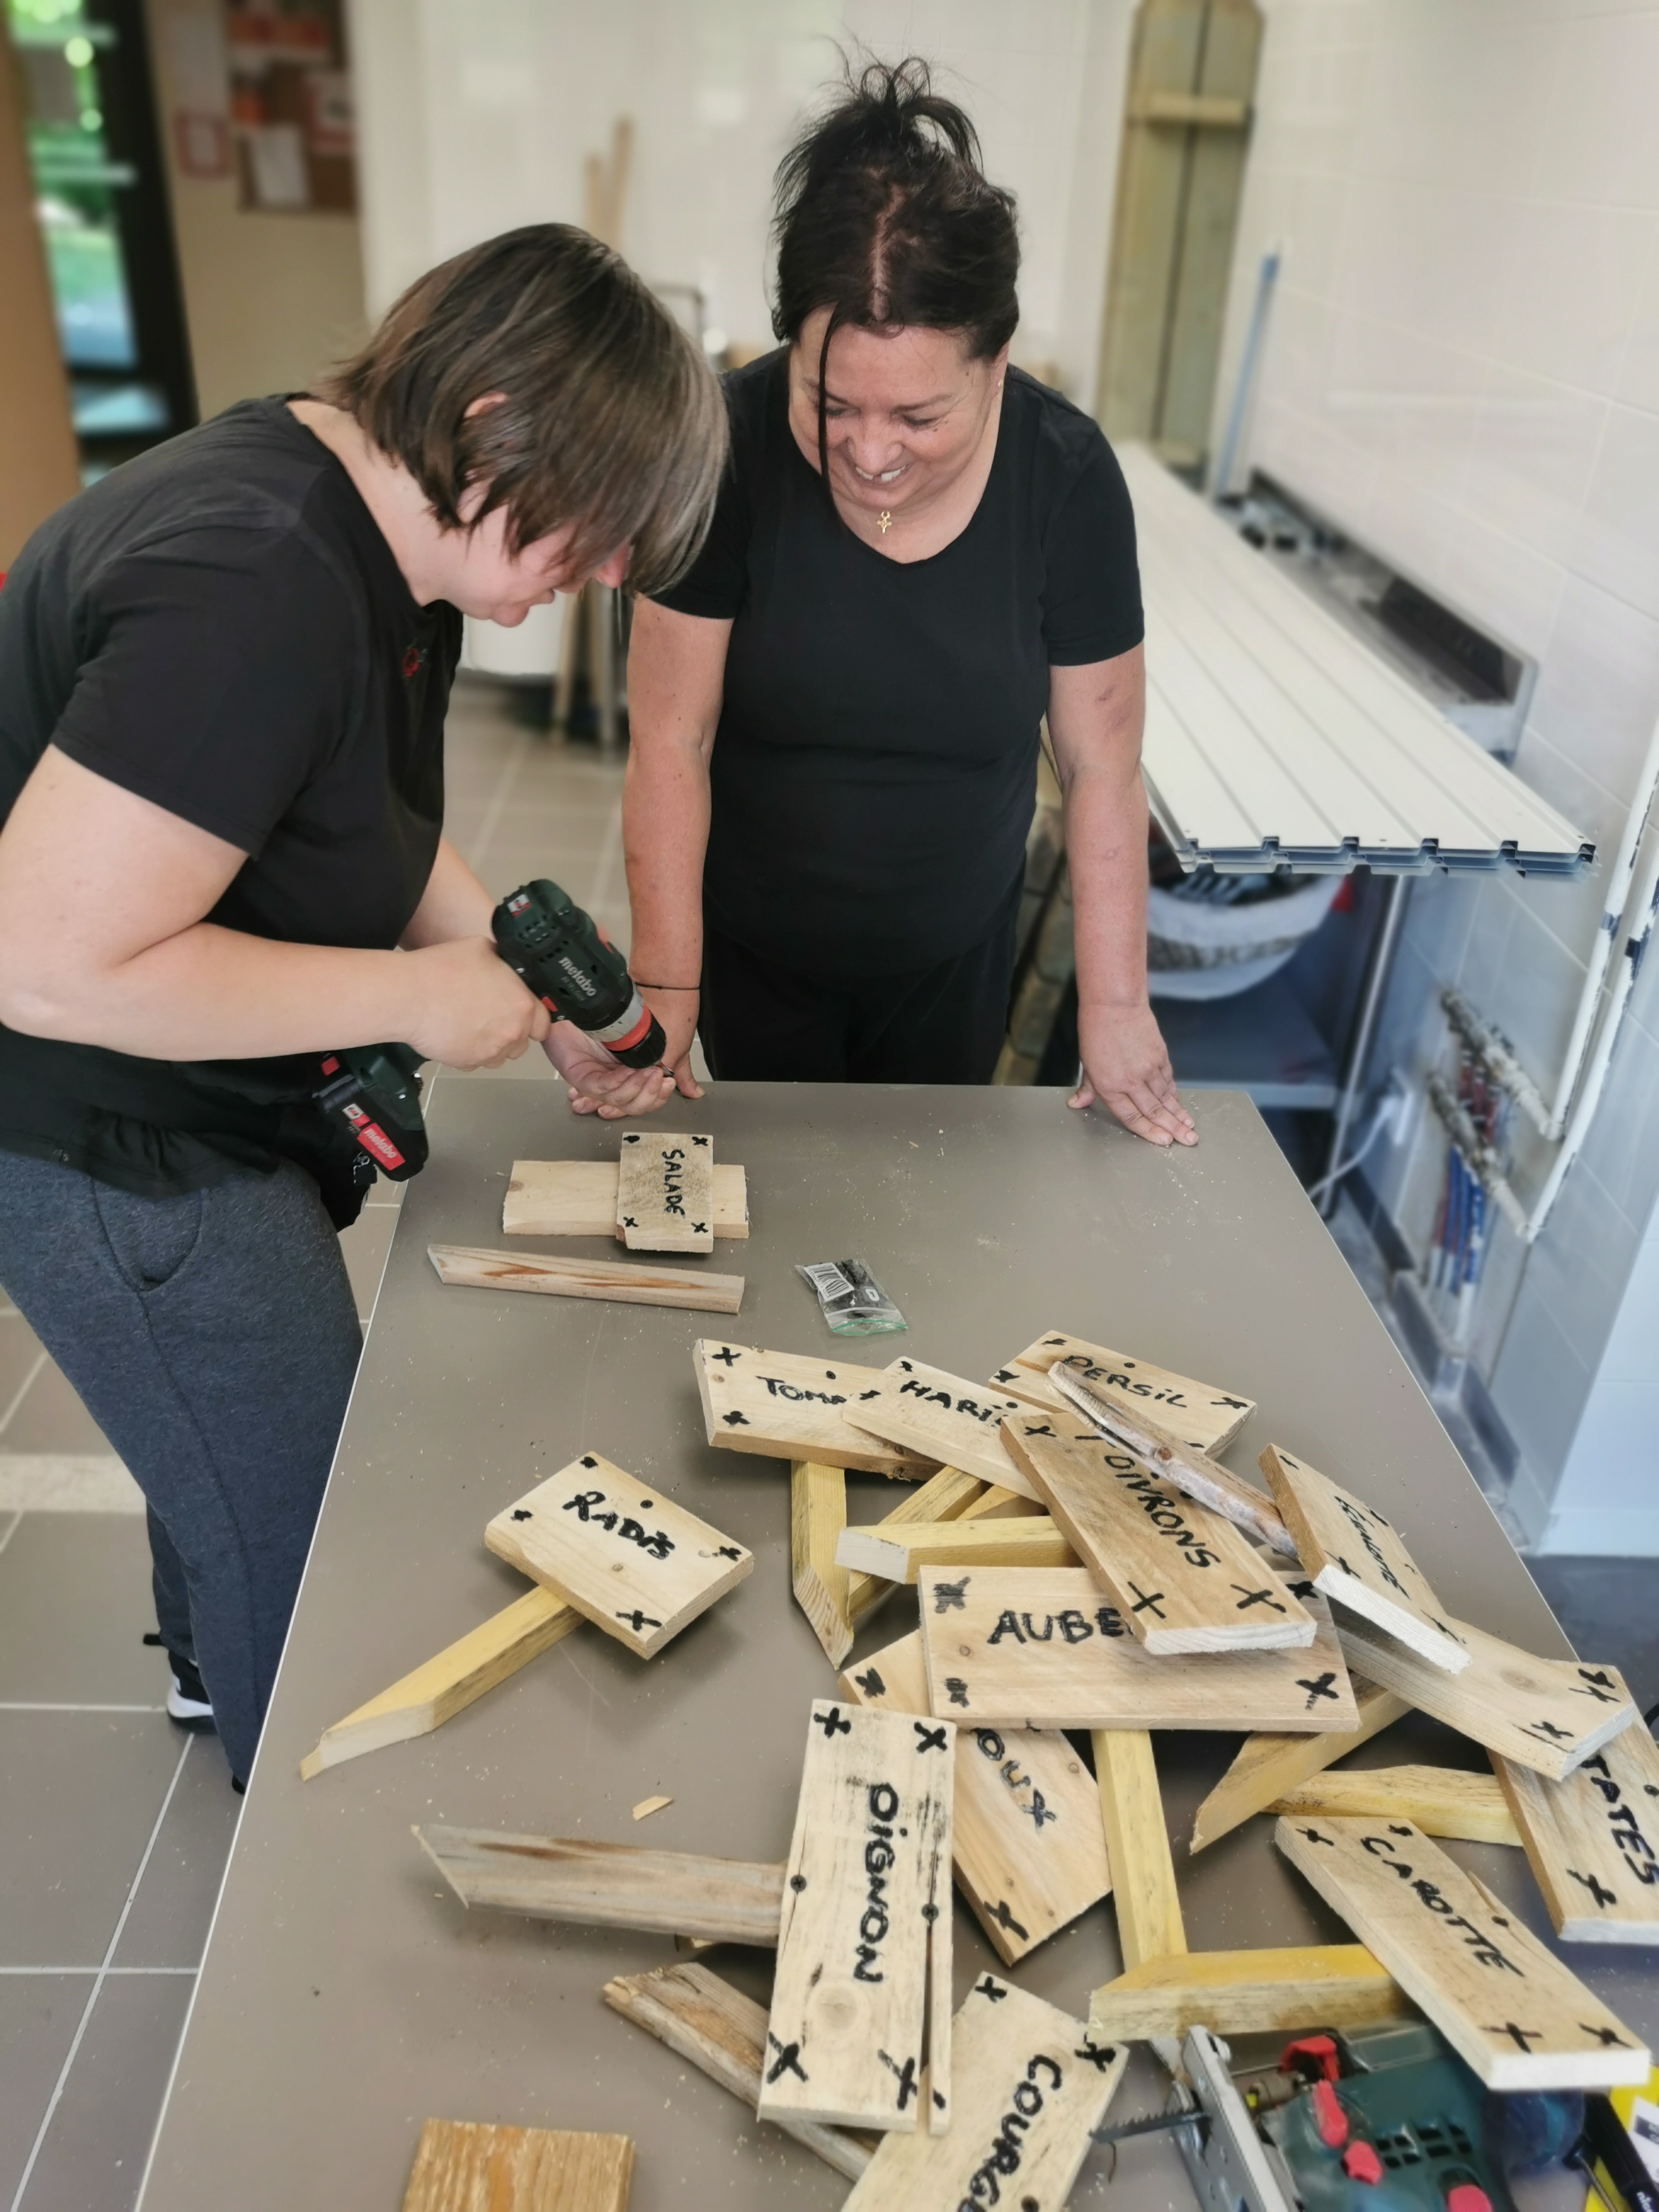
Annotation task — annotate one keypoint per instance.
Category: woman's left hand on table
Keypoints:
(1126, 1065)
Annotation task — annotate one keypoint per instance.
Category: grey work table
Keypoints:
(346, 1996)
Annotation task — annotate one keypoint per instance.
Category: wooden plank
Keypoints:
(609, 1885)
(1149, 1924)
(1183, 1579)
(1546, 1714)
(471, 2165)
(1031, 2090)
(949, 1495)
(448, 1683)
(1504, 2002)
(703, 2019)
(818, 1516)
(640, 1566)
(1198, 1412)
(1269, 1765)
(460, 1264)
(665, 1192)
(1593, 1840)
(578, 1198)
(996, 1504)
(1441, 1801)
(1026, 1838)
(929, 1410)
(1359, 1559)
(785, 1405)
(865, 1904)
(900, 1554)
(1193, 1473)
(1041, 1648)
(1246, 1993)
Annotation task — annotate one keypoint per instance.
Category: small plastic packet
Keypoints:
(853, 1301)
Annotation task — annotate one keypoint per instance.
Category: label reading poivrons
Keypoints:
(1030, 2091)
(958, 1422)
(1042, 1648)
(666, 1193)
(637, 1564)
(784, 1405)
(866, 1925)
(1199, 1413)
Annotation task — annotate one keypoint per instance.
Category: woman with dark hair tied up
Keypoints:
(918, 552)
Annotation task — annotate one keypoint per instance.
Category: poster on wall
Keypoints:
(291, 105)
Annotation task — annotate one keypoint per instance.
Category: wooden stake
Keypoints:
(466, 2165)
(1246, 1993)
(783, 1406)
(817, 1514)
(1149, 1924)
(949, 1495)
(931, 1412)
(1546, 1714)
(665, 1192)
(1441, 1801)
(1505, 2003)
(1183, 1579)
(1593, 1840)
(447, 1684)
(1198, 1412)
(705, 2020)
(1193, 1473)
(578, 1198)
(1027, 1842)
(1267, 1766)
(866, 1912)
(1031, 2090)
(638, 1565)
(1040, 1648)
(586, 1278)
(996, 1504)
(900, 1554)
(1358, 1558)
(609, 1885)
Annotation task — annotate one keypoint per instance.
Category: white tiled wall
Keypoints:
(1462, 367)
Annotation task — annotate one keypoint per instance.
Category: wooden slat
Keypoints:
(609, 1885)
(1546, 1714)
(638, 1285)
(899, 1554)
(1506, 2005)
(1197, 1411)
(1246, 1993)
(1040, 1648)
(818, 1516)
(665, 1192)
(1593, 1840)
(1360, 1560)
(996, 1504)
(703, 2019)
(578, 1198)
(471, 2166)
(635, 1563)
(1030, 2091)
(449, 1682)
(1144, 1894)
(949, 1495)
(1441, 1801)
(1270, 1764)
(1183, 1579)
(930, 1411)
(866, 1905)
(1028, 1844)
(782, 1405)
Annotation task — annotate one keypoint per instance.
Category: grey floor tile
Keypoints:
(1610, 1610)
(93, 2158)
(75, 1602)
(365, 1245)
(39, 2014)
(79, 1797)
(168, 1924)
(51, 1418)
(20, 1353)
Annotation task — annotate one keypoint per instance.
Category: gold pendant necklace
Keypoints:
(883, 519)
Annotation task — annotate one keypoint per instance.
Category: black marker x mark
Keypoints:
(522, 1513)
(637, 1620)
(1605, 2037)
(1099, 2056)
(629, 1222)
(788, 2060)
(725, 1355)
(905, 2076)
(929, 1739)
(1146, 1604)
(737, 1420)
(1004, 1919)
(1319, 1687)
(1602, 1895)
(948, 1597)
(871, 1684)
(1314, 1837)
(832, 1723)
(1520, 2036)
(990, 1988)
(1247, 1598)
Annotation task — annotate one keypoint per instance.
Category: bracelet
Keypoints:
(638, 986)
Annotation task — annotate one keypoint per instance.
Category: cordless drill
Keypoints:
(564, 957)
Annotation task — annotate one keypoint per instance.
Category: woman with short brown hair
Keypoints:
(223, 676)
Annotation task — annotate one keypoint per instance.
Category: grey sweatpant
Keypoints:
(213, 1338)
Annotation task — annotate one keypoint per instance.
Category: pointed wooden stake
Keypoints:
(817, 1514)
(1149, 1924)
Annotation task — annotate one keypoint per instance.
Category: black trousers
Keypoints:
(764, 1022)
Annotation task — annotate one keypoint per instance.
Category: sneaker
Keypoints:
(188, 1703)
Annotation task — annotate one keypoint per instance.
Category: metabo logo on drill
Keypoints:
(578, 976)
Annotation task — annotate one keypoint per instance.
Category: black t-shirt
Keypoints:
(874, 768)
(221, 627)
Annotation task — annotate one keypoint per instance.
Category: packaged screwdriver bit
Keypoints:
(852, 1300)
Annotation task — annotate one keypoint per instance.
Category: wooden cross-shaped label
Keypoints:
(864, 1942)
(957, 1421)
(1504, 2002)
(784, 1405)
(666, 1193)
(637, 1564)
(1198, 1412)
